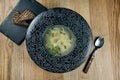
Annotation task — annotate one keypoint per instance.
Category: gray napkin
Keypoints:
(14, 32)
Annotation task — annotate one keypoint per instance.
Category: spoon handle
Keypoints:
(87, 66)
(89, 61)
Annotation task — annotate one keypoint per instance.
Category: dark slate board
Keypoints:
(35, 40)
(18, 33)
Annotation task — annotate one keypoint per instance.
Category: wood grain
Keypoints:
(103, 16)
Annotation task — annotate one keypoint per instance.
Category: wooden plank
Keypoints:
(113, 9)
(103, 16)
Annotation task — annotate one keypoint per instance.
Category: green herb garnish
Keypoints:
(65, 47)
(55, 50)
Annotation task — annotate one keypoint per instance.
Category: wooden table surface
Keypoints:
(103, 17)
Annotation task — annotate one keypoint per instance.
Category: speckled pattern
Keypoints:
(35, 40)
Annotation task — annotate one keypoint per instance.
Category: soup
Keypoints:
(59, 40)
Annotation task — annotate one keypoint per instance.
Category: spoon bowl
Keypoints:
(99, 42)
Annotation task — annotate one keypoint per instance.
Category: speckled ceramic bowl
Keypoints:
(35, 41)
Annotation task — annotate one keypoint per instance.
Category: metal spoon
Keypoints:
(99, 41)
